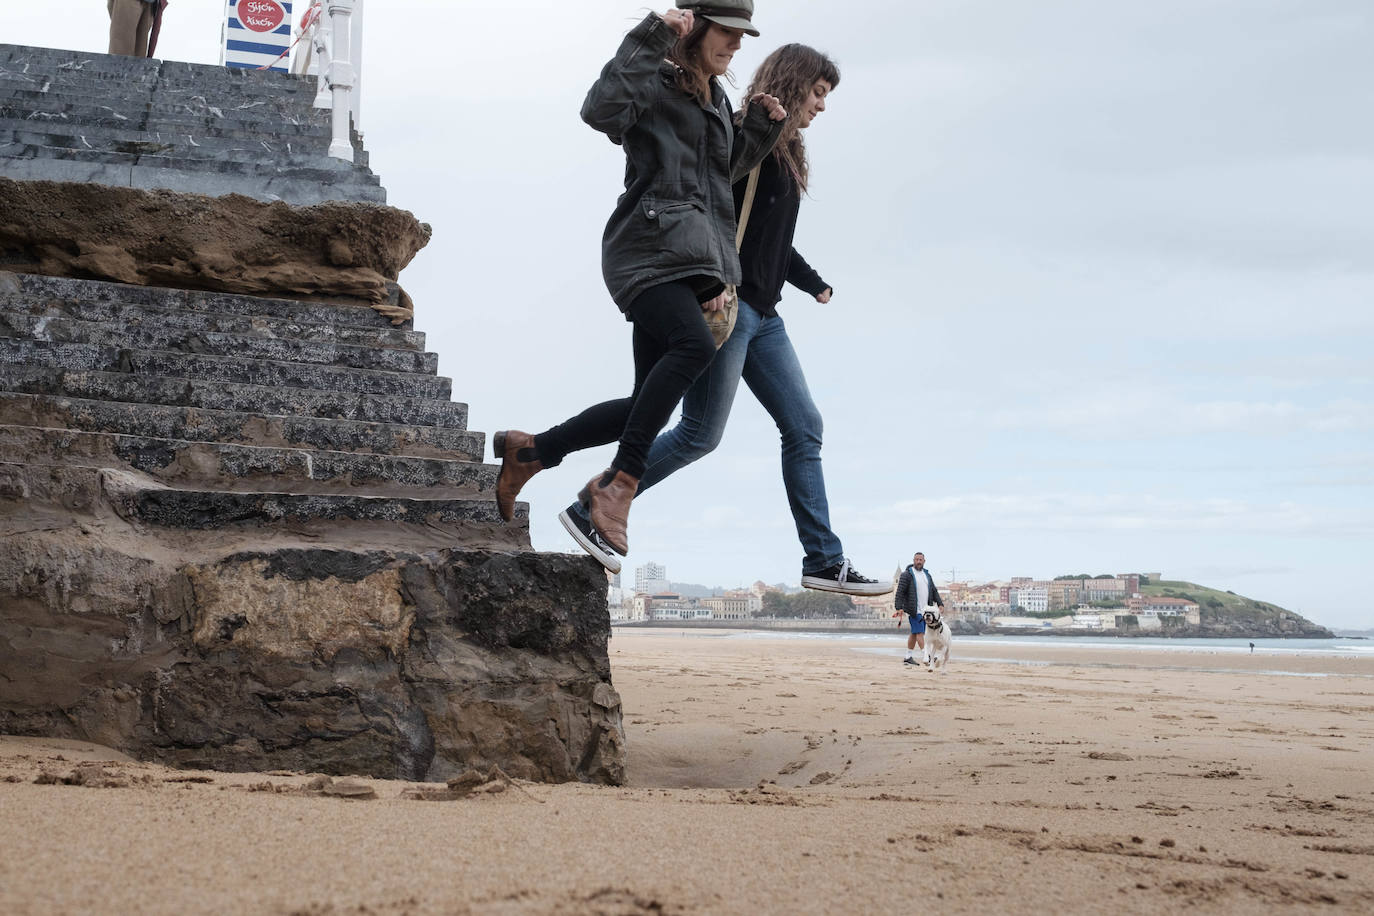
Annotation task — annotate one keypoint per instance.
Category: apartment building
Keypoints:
(651, 579)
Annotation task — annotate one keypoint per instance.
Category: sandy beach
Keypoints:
(778, 775)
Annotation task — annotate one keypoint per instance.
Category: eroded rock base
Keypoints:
(402, 664)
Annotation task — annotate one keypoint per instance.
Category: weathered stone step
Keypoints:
(57, 329)
(127, 74)
(161, 100)
(132, 141)
(226, 466)
(57, 289)
(181, 392)
(147, 116)
(207, 509)
(138, 499)
(155, 421)
(16, 352)
(187, 320)
(106, 119)
(28, 59)
(59, 81)
(300, 154)
(293, 189)
(141, 110)
(60, 76)
(303, 168)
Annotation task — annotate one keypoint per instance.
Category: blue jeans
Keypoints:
(760, 352)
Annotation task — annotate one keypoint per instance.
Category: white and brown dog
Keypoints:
(937, 639)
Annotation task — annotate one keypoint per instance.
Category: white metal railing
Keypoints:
(333, 44)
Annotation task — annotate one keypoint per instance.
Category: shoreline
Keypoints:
(959, 628)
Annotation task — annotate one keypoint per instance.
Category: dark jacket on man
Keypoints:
(905, 599)
(676, 219)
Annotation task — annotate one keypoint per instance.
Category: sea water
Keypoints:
(1115, 651)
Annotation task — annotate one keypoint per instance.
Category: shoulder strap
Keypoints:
(749, 191)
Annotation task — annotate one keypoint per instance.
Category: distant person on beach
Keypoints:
(131, 24)
(1252, 648)
(667, 255)
(915, 592)
(759, 350)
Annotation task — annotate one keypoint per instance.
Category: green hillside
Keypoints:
(1227, 610)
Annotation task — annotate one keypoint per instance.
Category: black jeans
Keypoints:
(672, 346)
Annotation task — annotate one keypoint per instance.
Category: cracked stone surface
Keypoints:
(410, 664)
(230, 244)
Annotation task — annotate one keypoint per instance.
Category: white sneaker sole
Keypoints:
(605, 559)
(867, 589)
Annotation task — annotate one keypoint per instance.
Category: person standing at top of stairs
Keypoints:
(131, 22)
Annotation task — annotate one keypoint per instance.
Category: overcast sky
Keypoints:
(1103, 276)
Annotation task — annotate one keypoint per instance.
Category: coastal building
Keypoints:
(979, 611)
(1032, 599)
(872, 607)
(651, 579)
(669, 606)
(1029, 623)
(1112, 589)
(1065, 593)
(1156, 607)
(735, 605)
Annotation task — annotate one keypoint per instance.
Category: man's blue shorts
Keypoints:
(918, 622)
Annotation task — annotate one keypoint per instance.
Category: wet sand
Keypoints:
(781, 775)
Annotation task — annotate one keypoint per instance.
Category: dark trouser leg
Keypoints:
(671, 348)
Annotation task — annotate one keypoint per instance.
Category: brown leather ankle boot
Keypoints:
(515, 470)
(608, 497)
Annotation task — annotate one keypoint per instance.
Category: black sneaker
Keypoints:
(910, 661)
(844, 579)
(589, 539)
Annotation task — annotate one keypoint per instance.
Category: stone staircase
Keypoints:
(133, 122)
(235, 412)
(241, 532)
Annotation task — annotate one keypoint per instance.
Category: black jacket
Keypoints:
(676, 218)
(905, 599)
(767, 258)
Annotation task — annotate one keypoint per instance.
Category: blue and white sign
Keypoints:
(256, 33)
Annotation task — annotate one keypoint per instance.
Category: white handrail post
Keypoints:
(341, 78)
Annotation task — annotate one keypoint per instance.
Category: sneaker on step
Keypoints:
(846, 580)
(589, 539)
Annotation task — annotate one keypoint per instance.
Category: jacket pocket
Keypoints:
(681, 230)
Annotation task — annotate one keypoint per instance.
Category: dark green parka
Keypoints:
(676, 218)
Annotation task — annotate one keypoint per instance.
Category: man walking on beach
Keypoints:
(915, 591)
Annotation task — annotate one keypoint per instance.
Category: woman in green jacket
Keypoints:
(668, 252)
